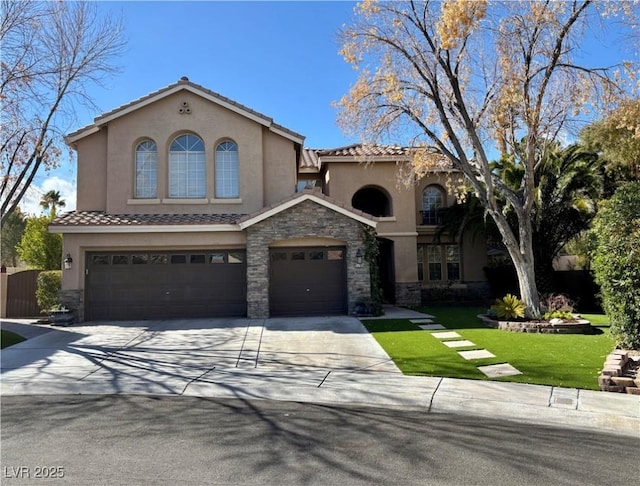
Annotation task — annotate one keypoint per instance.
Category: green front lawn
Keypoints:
(8, 338)
(569, 360)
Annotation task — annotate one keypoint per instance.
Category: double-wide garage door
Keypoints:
(308, 281)
(165, 284)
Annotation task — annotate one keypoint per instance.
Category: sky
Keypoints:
(278, 58)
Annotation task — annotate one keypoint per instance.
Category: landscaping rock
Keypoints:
(623, 381)
(579, 326)
(620, 373)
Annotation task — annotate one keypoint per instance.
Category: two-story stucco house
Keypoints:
(192, 205)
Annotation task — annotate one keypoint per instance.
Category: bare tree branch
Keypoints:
(51, 52)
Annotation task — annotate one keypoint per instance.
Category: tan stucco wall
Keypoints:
(474, 258)
(92, 172)
(106, 159)
(345, 179)
(162, 122)
(77, 245)
(279, 167)
(405, 258)
(348, 178)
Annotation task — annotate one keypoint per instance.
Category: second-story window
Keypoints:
(227, 180)
(432, 203)
(146, 177)
(187, 168)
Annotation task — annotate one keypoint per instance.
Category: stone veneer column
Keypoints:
(73, 299)
(257, 275)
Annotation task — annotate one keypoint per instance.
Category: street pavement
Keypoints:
(323, 360)
(165, 440)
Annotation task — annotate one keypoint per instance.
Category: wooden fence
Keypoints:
(21, 294)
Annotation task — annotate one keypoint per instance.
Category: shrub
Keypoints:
(557, 306)
(49, 283)
(509, 307)
(39, 248)
(616, 262)
(564, 315)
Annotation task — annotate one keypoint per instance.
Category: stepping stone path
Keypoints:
(445, 335)
(431, 327)
(427, 324)
(492, 371)
(476, 354)
(458, 344)
(498, 370)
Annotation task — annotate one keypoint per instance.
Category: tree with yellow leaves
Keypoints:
(465, 79)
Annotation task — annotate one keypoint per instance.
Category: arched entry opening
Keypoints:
(372, 200)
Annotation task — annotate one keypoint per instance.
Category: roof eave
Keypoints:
(175, 228)
(263, 120)
(301, 197)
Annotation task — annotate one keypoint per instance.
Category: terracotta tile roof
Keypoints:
(311, 159)
(360, 150)
(100, 218)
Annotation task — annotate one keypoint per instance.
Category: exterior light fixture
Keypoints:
(359, 256)
(67, 261)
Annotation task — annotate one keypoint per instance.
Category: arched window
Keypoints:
(372, 200)
(146, 177)
(432, 202)
(187, 169)
(227, 180)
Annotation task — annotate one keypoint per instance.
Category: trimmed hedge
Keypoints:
(616, 262)
(49, 284)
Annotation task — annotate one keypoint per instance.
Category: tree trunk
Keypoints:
(521, 254)
(528, 288)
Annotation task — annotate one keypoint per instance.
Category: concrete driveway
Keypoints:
(285, 358)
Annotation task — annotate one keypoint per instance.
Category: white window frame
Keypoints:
(433, 199)
(442, 256)
(187, 167)
(227, 170)
(146, 170)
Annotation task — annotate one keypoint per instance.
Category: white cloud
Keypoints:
(30, 203)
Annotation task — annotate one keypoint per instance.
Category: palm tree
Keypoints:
(569, 185)
(51, 201)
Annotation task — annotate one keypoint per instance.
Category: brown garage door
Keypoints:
(308, 281)
(165, 284)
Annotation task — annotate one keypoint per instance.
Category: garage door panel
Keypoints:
(307, 281)
(160, 289)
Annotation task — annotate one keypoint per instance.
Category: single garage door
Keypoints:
(165, 284)
(308, 281)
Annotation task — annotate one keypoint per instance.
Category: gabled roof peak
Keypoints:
(184, 84)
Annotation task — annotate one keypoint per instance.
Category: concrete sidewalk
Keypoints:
(253, 360)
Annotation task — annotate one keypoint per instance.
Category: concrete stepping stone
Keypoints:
(498, 370)
(445, 335)
(431, 327)
(476, 354)
(458, 344)
(421, 321)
